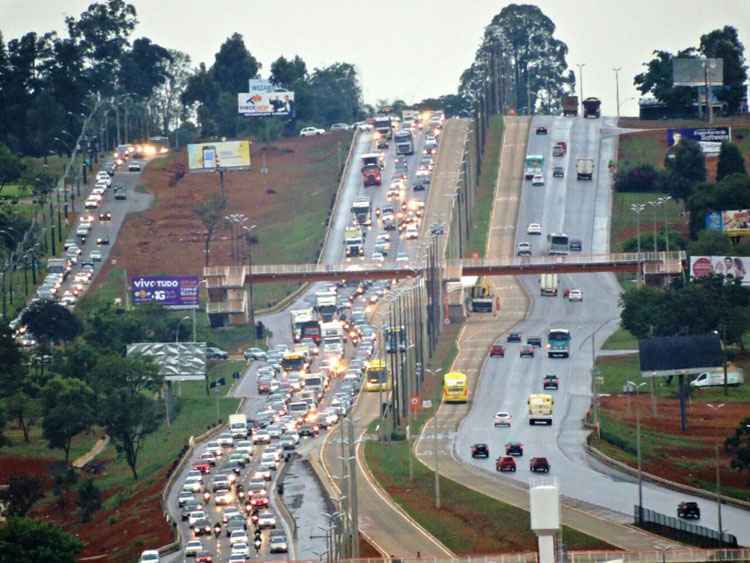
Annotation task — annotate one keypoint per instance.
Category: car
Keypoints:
(150, 556)
(91, 203)
(238, 536)
(419, 186)
(340, 127)
(541, 130)
(196, 516)
(184, 498)
(402, 257)
(255, 354)
(514, 448)
(259, 499)
(213, 353)
(497, 350)
(575, 295)
(311, 132)
(266, 519)
(505, 463)
(377, 257)
(223, 497)
(537, 180)
(503, 418)
(363, 126)
(278, 542)
(513, 337)
(551, 381)
(241, 549)
(688, 510)
(412, 232)
(204, 557)
(526, 351)
(558, 172)
(534, 229)
(134, 167)
(193, 548)
(202, 528)
(539, 465)
(120, 194)
(105, 216)
(524, 249)
(437, 229)
(102, 240)
(480, 451)
(202, 466)
(534, 341)
(237, 558)
(575, 245)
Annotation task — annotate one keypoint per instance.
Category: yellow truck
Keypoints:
(540, 408)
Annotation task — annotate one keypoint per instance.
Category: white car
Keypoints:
(311, 132)
(524, 249)
(215, 448)
(193, 548)
(534, 229)
(266, 519)
(402, 257)
(149, 556)
(363, 126)
(225, 439)
(95, 255)
(575, 295)
(241, 549)
(340, 127)
(537, 180)
(184, 498)
(412, 232)
(194, 516)
(193, 484)
(134, 167)
(503, 418)
(238, 536)
(222, 497)
(261, 437)
(377, 257)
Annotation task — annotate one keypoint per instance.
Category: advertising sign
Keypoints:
(227, 154)
(734, 222)
(410, 114)
(735, 266)
(709, 138)
(177, 361)
(265, 104)
(177, 292)
(696, 72)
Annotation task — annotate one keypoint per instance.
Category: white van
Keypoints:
(716, 379)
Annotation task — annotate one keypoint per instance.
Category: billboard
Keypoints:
(709, 138)
(735, 266)
(177, 361)
(734, 222)
(227, 154)
(177, 292)
(692, 72)
(265, 104)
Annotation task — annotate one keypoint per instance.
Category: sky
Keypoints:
(411, 49)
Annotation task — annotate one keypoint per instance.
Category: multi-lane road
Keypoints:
(580, 209)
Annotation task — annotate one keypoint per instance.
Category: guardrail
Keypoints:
(644, 516)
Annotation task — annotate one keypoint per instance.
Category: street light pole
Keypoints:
(638, 208)
(435, 444)
(718, 475)
(637, 388)
(617, 86)
(580, 79)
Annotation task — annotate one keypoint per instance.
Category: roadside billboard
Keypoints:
(177, 361)
(709, 138)
(266, 104)
(227, 154)
(175, 292)
(696, 72)
(735, 266)
(734, 222)
(410, 114)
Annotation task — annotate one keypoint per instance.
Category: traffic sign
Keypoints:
(426, 404)
(414, 403)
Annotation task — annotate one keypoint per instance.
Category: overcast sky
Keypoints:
(410, 49)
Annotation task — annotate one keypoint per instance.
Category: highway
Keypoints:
(581, 210)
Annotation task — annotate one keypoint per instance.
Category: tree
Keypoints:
(23, 539)
(126, 411)
(3, 422)
(233, 66)
(336, 94)
(50, 321)
(211, 213)
(22, 492)
(710, 243)
(288, 73)
(89, 499)
(725, 44)
(167, 96)
(639, 178)
(10, 167)
(67, 410)
(640, 310)
(658, 81)
(144, 68)
(731, 161)
(686, 165)
(202, 91)
(739, 446)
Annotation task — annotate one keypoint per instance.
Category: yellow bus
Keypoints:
(377, 377)
(455, 387)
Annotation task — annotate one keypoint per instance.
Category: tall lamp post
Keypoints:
(637, 387)
(718, 474)
(617, 88)
(435, 443)
(663, 204)
(638, 208)
(580, 79)
(250, 239)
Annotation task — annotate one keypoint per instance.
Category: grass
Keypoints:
(482, 212)
(641, 149)
(469, 522)
(624, 220)
(37, 445)
(621, 339)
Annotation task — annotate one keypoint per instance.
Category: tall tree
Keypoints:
(167, 97)
(288, 73)
(51, 322)
(10, 166)
(24, 539)
(68, 410)
(89, 499)
(710, 243)
(725, 44)
(731, 161)
(739, 446)
(210, 212)
(202, 91)
(22, 493)
(336, 93)
(234, 66)
(144, 68)
(657, 80)
(686, 165)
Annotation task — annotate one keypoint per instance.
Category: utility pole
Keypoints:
(617, 88)
(718, 493)
(354, 501)
(580, 79)
(345, 481)
(437, 470)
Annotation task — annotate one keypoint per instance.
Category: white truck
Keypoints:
(354, 242)
(540, 408)
(548, 285)
(585, 169)
(325, 304)
(238, 426)
(715, 378)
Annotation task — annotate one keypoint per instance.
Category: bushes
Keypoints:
(638, 179)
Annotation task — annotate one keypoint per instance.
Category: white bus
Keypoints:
(557, 243)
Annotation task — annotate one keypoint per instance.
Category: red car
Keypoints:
(202, 466)
(257, 501)
(204, 557)
(497, 350)
(539, 465)
(505, 463)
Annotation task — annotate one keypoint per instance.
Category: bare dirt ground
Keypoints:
(688, 457)
(169, 237)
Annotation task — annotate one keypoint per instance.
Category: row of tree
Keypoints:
(658, 79)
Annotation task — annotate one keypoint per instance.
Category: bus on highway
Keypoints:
(558, 343)
(557, 243)
(533, 165)
(404, 141)
(377, 377)
(455, 387)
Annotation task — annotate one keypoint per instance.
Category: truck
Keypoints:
(570, 106)
(404, 142)
(58, 266)
(362, 212)
(558, 343)
(715, 378)
(533, 166)
(383, 127)
(585, 169)
(238, 426)
(305, 325)
(354, 242)
(482, 299)
(325, 304)
(372, 173)
(540, 408)
(548, 285)
(592, 108)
